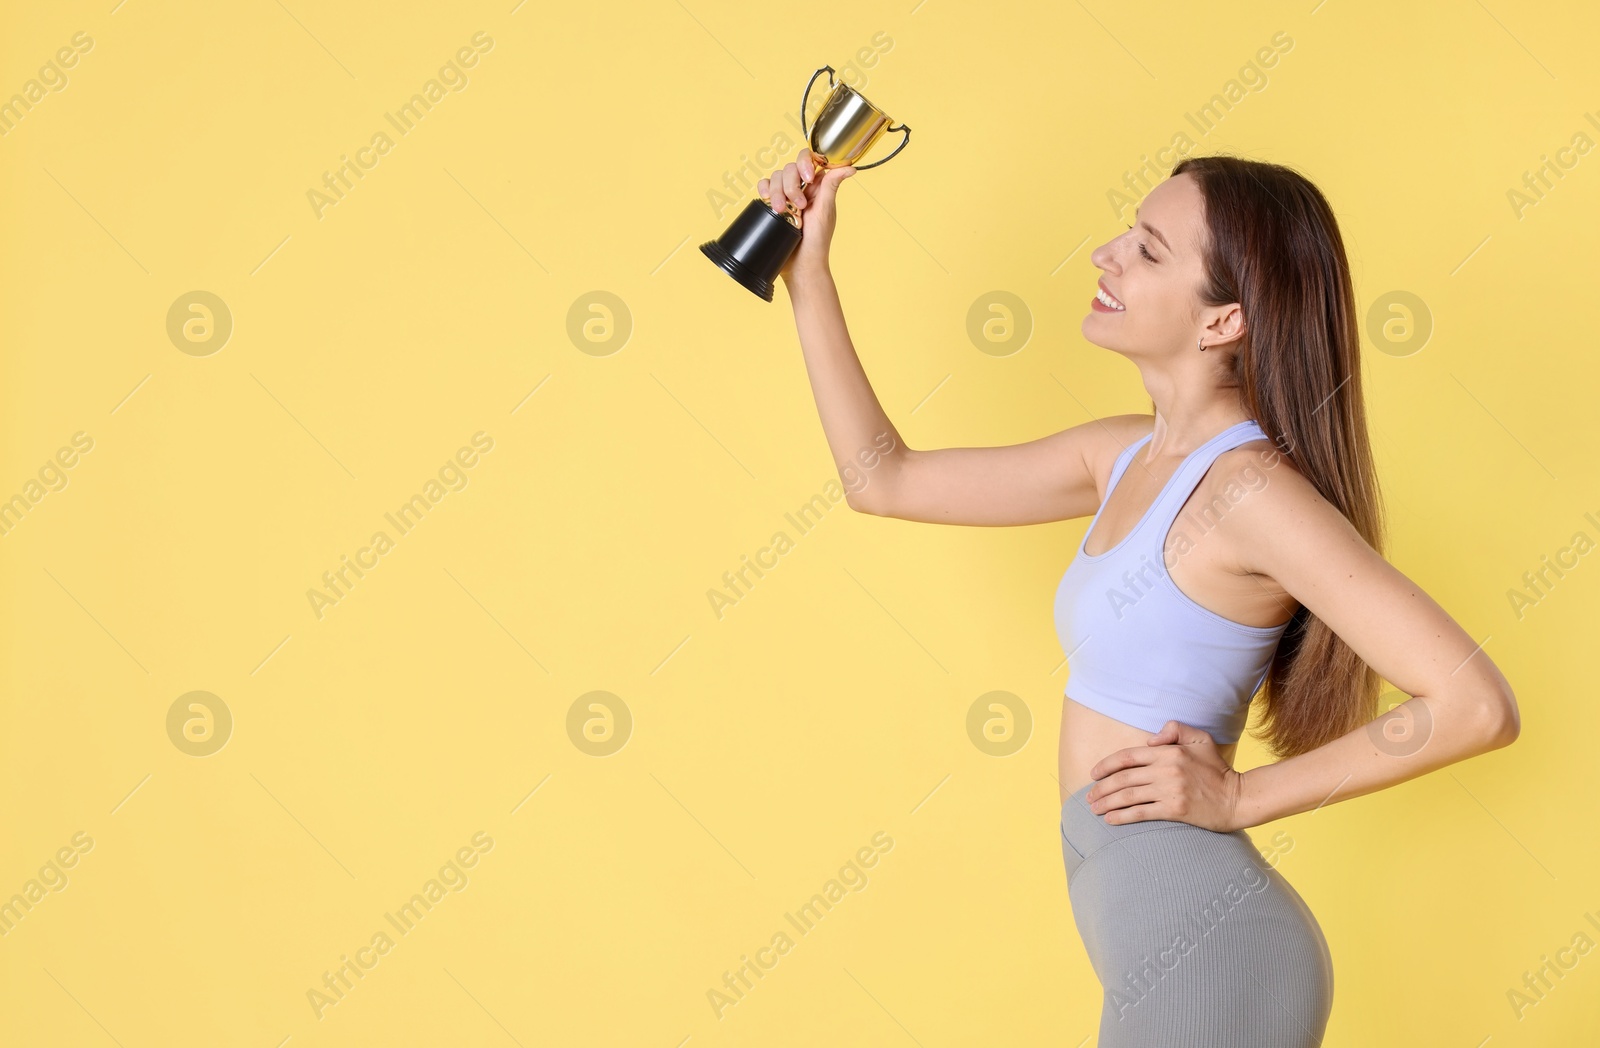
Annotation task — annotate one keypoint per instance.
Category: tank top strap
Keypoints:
(1183, 482)
(1119, 466)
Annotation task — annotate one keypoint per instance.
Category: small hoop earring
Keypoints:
(1202, 343)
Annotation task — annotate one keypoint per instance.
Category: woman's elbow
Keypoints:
(1505, 722)
(864, 502)
(875, 497)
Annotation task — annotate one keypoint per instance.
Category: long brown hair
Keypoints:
(1274, 247)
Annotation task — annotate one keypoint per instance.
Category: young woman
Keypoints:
(1235, 544)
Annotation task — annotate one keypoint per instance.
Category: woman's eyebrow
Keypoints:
(1153, 230)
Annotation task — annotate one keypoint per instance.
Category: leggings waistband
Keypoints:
(1083, 832)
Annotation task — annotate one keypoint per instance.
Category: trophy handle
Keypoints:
(902, 145)
(806, 98)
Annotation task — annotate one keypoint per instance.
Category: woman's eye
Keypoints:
(1143, 252)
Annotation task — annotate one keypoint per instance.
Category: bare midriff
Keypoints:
(1088, 736)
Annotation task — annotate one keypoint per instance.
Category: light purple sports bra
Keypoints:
(1141, 651)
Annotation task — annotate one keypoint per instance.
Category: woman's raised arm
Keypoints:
(1056, 477)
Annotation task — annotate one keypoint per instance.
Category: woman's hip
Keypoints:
(1188, 925)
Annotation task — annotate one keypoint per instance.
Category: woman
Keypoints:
(1236, 546)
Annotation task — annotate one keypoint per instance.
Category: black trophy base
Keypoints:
(755, 247)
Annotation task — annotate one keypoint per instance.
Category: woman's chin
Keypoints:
(1087, 329)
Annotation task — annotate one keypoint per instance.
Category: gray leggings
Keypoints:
(1197, 942)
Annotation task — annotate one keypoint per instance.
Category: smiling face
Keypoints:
(1153, 273)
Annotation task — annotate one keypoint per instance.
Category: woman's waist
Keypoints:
(1089, 736)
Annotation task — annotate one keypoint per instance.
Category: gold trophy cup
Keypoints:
(756, 246)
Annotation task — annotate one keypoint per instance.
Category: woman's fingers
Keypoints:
(776, 191)
(787, 185)
(791, 186)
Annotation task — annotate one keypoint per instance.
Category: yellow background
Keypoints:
(768, 745)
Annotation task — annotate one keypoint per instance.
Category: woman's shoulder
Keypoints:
(1264, 484)
(1254, 462)
(1127, 430)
